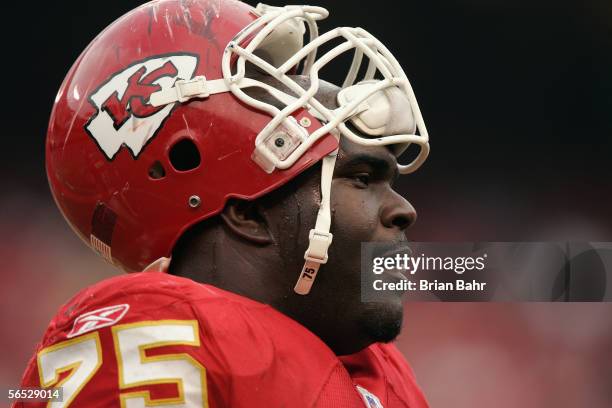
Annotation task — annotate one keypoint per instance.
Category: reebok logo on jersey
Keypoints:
(107, 316)
(370, 399)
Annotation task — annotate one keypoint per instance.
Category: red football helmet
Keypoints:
(151, 131)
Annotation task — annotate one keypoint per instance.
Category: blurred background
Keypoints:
(517, 97)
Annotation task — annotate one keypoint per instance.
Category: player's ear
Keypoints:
(246, 220)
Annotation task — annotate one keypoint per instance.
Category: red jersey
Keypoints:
(153, 339)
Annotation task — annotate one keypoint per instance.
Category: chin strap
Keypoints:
(320, 237)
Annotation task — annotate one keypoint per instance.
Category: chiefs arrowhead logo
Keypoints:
(107, 316)
(123, 114)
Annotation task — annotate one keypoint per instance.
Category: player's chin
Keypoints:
(382, 320)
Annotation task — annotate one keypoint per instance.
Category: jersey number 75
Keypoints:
(81, 358)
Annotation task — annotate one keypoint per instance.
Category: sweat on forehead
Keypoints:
(350, 150)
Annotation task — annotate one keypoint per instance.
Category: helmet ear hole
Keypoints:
(184, 155)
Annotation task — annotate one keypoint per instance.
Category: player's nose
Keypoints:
(397, 212)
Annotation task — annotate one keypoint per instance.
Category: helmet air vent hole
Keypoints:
(184, 155)
(157, 171)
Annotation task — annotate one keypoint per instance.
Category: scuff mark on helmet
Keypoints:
(167, 17)
(187, 125)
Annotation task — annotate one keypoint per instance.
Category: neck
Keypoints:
(219, 260)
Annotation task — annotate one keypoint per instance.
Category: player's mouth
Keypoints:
(400, 249)
(396, 274)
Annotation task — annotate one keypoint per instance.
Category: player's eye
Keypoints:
(362, 179)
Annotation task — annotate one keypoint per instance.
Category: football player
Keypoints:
(194, 144)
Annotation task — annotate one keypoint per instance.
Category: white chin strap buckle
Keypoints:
(319, 243)
(315, 256)
(182, 91)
